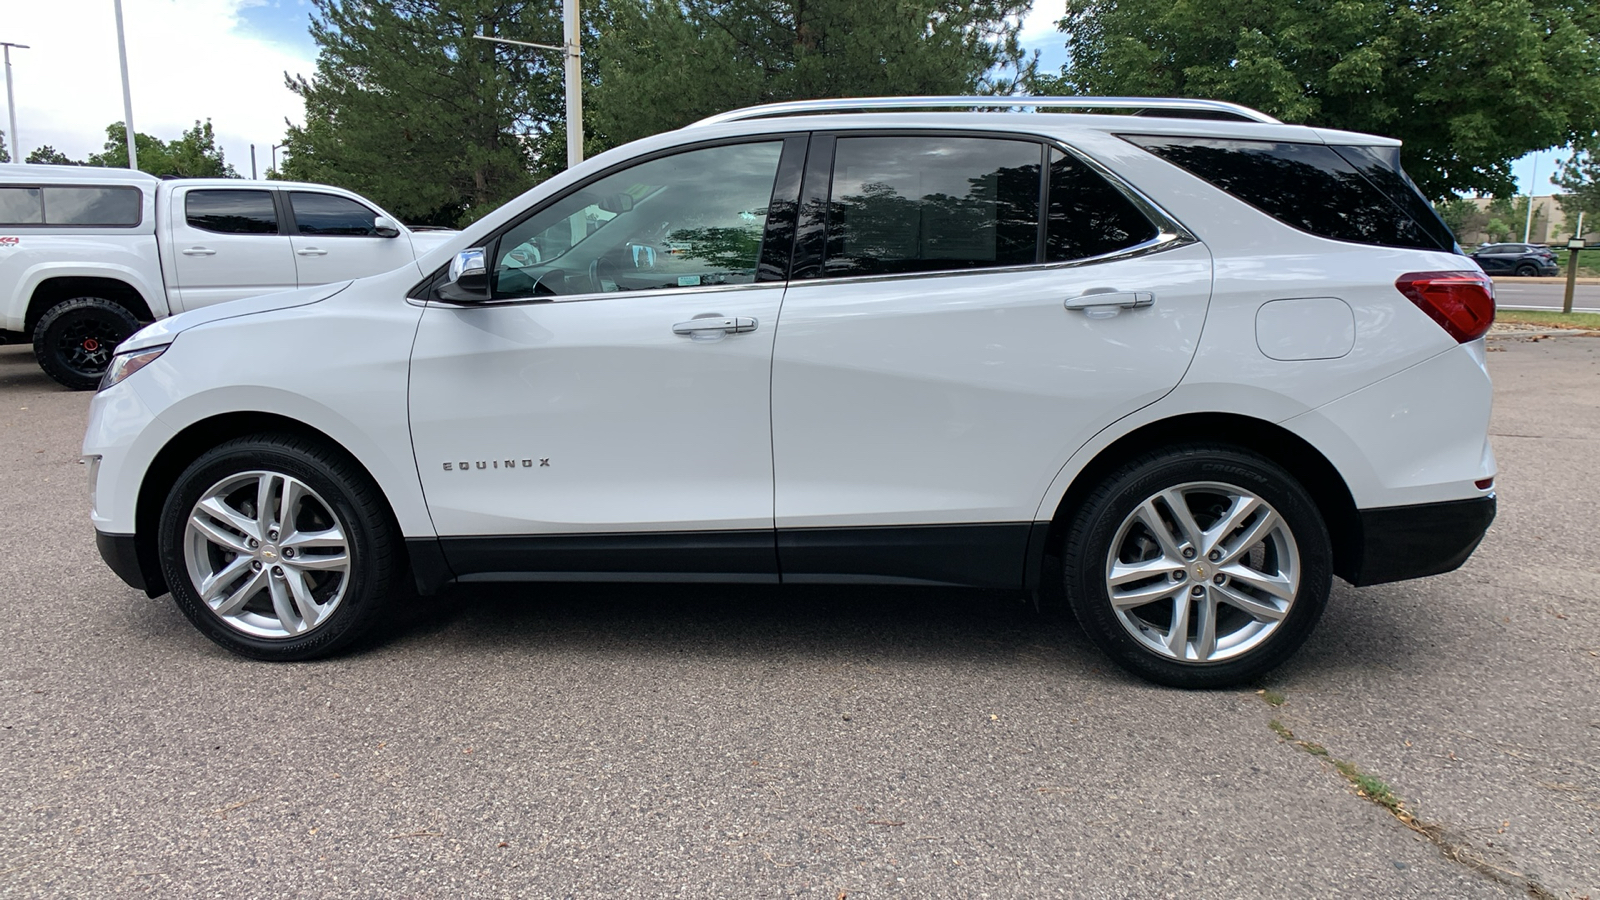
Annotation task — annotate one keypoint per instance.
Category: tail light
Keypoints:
(1461, 302)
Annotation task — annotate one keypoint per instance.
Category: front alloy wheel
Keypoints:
(278, 547)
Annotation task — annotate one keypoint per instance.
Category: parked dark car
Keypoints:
(1516, 259)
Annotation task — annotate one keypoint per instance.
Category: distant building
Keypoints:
(1550, 225)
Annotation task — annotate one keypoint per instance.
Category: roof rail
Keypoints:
(872, 104)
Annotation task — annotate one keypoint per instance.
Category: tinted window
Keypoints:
(231, 211)
(329, 214)
(687, 220)
(916, 204)
(1381, 167)
(1089, 217)
(92, 205)
(1308, 186)
(21, 206)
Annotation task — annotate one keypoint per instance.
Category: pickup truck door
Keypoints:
(335, 238)
(227, 243)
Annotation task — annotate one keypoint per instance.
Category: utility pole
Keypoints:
(1527, 227)
(573, 53)
(127, 95)
(252, 162)
(11, 100)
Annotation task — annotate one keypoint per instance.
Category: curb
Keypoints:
(1554, 332)
(1552, 279)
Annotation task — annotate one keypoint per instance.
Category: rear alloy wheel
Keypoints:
(277, 549)
(1527, 271)
(75, 339)
(1199, 567)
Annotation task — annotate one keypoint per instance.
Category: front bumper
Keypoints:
(121, 553)
(1400, 542)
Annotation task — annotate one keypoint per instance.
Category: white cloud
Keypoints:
(1039, 25)
(187, 60)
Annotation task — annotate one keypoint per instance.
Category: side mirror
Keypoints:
(468, 279)
(384, 226)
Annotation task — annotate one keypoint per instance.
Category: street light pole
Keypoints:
(11, 100)
(573, 53)
(1527, 226)
(275, 149)
(127, 95)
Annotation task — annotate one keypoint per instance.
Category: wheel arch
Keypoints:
(186, 446)
(1273, 442)
(54, 290)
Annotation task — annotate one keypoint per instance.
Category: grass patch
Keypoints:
(1587, 321)
(1272, 698)
(1370, 786)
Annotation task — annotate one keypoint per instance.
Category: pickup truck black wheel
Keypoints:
(75, 338)
(1198, 566)
(279, 549)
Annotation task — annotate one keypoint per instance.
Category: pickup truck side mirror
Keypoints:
(468, 278)
(383, 226)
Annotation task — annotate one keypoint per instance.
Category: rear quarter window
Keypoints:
(1356, 194)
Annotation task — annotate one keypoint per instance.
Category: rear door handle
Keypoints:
(711, 325)
(199, 251)
(1097, 297)
(311, 251)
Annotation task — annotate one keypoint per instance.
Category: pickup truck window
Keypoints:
(328, 214)
(231, 211)
(70, 206)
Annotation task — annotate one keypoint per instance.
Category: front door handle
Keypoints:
(1095, 298)
(311, 251)
(714, 325)
(199, 251)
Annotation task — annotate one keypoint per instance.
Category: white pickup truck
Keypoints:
(87, 254)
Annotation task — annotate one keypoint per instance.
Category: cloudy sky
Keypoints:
(226, 59)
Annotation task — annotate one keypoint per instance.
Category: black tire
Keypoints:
(1527, 271)
(75, 339)
(1109, 511)
(340, 490)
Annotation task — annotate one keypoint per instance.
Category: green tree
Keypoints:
(1468, 86)
(51, 156)
(1580, 175)
(661, 64)
(1462, 215)
(409, 109)
(193, 155)
(5, 156)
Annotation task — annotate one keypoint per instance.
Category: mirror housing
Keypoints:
(616, 203)
(383, 226)
(468, 278)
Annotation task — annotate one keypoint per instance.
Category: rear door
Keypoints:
(228, 243)
(336, 238)
(942, 351)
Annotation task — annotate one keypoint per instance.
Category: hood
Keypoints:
(423, 241)
(164, 330)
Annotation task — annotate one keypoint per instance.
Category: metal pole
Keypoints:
(252, 162)
(569, 13)
(1573, 243)
(127, 95)
(11, 102)
(1527, 227)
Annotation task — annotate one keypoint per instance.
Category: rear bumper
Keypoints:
(1400, 542)
(121, 553)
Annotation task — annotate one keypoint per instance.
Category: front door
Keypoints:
(336, 238)
(613, 393)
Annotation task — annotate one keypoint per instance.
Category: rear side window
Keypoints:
(231, 211)
(329, 214)
(1356, 194)
(71, 206)
(930, 203)
(1089, 217)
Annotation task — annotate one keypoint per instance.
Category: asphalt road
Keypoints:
(1547, 294)
(740, 742)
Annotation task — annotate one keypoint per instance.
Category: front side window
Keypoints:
(231, 211)
(931, 203)
(330, 214)
(692, 219)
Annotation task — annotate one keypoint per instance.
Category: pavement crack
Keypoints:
(1452, 845)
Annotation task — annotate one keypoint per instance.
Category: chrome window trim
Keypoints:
(603, 295)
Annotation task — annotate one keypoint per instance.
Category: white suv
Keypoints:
(1188, 368)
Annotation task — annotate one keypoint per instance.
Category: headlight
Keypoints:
(125, 364)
